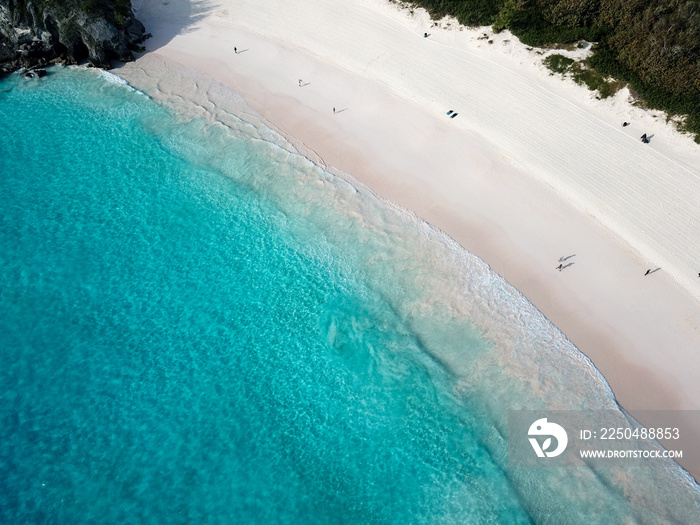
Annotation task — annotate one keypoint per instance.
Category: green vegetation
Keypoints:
(119, 9)
(582, 73)
(122, 9)
(88, 5)
(507, 14)
(468, 12)
(654, 46)
(559, 64)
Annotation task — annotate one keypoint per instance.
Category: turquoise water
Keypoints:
(198, 326)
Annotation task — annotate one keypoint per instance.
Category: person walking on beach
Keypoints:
(648, 271)
(334, 110)
(560, 267)
(235, 50)
(299, 82)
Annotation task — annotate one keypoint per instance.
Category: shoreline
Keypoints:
(642, 334)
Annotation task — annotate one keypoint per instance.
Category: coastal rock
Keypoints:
(34, 73)
(37, 32)
(135, 30)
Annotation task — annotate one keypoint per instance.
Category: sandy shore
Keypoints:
(533, 168)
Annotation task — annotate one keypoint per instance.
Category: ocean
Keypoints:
(199, 325)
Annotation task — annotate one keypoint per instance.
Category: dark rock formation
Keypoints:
(34, 33)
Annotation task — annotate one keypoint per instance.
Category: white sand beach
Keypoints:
(531, 169)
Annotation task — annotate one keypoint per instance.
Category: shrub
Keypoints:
(558, 63)
(506, 14)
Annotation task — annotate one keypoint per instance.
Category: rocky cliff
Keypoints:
(39, 32)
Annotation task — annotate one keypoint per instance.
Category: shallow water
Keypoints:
(199, 325)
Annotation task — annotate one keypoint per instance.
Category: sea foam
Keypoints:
(498, 351)
(201, 321)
